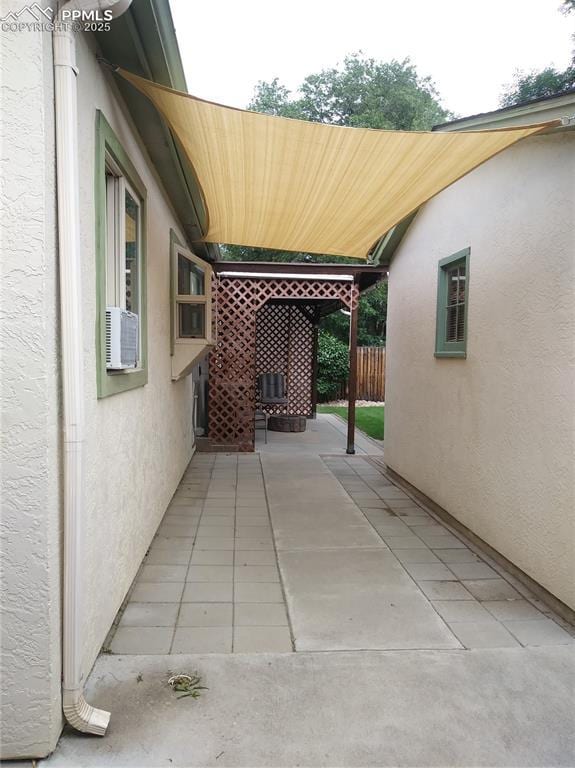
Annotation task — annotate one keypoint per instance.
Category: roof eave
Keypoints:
(384, 250)
(533, 111)
(143, 40)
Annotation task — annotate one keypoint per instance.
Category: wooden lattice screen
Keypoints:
(284, 344)
(232, 371)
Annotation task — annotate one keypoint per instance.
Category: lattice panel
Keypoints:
(284, 344)
(272, 345)
(301, 364)
(232, 373)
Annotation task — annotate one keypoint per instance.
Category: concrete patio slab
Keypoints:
(344, 589)
(425, 708)
(357, 599)
(326, 434)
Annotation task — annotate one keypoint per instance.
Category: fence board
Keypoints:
(370, 374)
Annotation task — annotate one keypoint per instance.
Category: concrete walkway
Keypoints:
(326, 435)
(345, 589)
(411, 648)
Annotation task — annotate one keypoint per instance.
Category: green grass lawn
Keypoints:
(369, 419)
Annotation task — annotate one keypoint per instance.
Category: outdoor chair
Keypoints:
(261, 422)
(272, 389)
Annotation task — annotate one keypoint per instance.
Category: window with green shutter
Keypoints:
(452, 301)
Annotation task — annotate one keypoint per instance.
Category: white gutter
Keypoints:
(78, 712)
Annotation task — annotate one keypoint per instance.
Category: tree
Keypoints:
(371, 316)
(548, 82)
(536, 85)
(363, 92)
(332, 365)
(249, 253)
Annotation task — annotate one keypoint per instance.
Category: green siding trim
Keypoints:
(107, 143)
(444, 348)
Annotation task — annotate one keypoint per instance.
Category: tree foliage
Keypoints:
(249, 253)
(332, 365)
(363, 92)
(536, 85)
(547, 82)
(370, 319)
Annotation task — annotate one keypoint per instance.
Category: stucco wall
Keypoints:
(491, 438)
(30, 467)
(138, 442)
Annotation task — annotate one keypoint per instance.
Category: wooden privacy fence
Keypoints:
(370, 374)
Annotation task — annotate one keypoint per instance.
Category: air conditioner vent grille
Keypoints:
(122, 336)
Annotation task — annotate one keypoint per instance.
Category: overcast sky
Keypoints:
(470, 49)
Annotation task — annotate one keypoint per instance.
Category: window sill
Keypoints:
(460, 354)
(122, 371)
(114, 382)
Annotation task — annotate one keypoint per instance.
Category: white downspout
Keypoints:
(78, 712)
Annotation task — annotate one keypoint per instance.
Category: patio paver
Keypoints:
(362, 564)
(212, 567)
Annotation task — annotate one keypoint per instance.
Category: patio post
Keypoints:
(352, 381)
(314, 372)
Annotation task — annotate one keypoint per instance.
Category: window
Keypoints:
(190, 298)
(452, 300)
(191, 308)
(123, 241)
(121, 257)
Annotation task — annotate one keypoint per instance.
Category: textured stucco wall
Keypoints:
(30, 468)
(138, 442)
(491, 438)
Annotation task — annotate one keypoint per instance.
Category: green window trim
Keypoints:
(443, 347)
(107, 144)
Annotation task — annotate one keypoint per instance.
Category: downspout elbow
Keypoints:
(82, 716)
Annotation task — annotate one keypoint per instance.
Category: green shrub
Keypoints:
(332, 365)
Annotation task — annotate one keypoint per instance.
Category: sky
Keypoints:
(470, 49)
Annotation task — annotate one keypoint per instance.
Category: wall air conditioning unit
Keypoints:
(122, 337)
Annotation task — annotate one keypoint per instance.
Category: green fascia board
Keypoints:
(143, 41)
(114, 383)
(389, 243)
(445, 348)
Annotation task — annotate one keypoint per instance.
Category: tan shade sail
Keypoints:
(293, 185)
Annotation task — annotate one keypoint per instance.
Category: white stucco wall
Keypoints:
(138, 442)
(30, 562)
(491, 438)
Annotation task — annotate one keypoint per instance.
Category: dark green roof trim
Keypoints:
(388, 244)
(143, 41)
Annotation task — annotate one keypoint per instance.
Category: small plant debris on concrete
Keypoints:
(187, 685)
